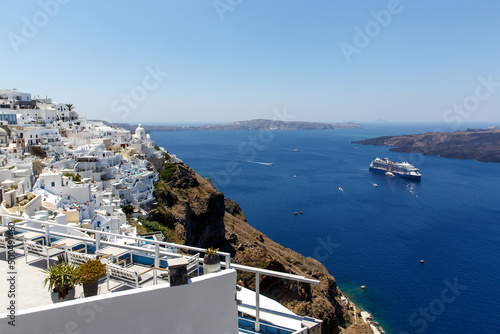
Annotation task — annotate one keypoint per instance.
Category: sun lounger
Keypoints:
(79, 258)
(41, 251)
(126, 276)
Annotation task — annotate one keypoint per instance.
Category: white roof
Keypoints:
(248, 298)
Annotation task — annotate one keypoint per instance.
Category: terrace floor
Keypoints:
(30, 291)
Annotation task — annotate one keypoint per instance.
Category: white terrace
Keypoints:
(209, 303)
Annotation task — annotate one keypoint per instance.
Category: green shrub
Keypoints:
(76, 178)
(153, 226)
(127, 209)
(59, 278)
(167, 174)
(89, 272)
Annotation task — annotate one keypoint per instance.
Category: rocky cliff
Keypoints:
(480, 145)
(200, 216)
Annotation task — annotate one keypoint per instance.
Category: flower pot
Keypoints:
(55, 296)
(90, 289)
(211, 264)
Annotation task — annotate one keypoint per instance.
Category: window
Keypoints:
(52, 184)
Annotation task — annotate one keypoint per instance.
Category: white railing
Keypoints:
(258, 272)
(158, 252)
(98, 235)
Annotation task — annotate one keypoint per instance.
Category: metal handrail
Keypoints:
(98, 234)
(158, 252)
(266, 272)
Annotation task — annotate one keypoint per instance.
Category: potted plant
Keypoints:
(211, 261)
(60, 281)
(88, 275)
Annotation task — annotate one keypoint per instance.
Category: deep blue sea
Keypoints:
(367, 235)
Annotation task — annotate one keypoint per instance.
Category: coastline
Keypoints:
(201, 216)
(472, 144)
(368, 318)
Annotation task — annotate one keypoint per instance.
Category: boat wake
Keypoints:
(260, 163)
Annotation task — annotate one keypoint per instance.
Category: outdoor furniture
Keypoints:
(4, 243)
(30, 235)
(79, 258)
(41, 251)
(193, 264)
(68, 243)
(126, 276)
(114, 252)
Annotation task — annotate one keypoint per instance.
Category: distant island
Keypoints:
(255, 124)
(478, 144)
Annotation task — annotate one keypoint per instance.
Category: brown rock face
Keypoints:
(193, 207)
(202, 217)
(480, 145)
(255, 249)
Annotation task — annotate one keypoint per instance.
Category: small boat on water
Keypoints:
(340, 188)
(375, 185)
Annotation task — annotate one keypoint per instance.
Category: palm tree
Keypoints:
(70, 106)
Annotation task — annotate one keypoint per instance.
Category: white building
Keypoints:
(15, 95)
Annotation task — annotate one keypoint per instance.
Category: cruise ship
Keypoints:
(401, 169)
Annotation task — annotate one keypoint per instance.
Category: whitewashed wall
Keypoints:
(206, 306)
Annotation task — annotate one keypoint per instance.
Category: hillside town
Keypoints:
(54, 163)
(73, 193)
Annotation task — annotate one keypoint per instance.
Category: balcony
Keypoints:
(208, 303)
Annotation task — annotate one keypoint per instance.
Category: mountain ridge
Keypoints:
(254, 124)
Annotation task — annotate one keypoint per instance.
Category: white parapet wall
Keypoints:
(206, 305)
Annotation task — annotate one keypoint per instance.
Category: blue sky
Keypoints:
(229, 60)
